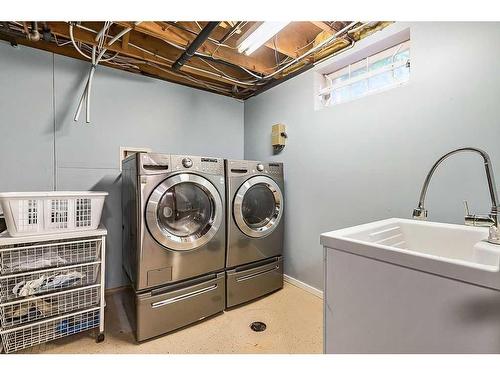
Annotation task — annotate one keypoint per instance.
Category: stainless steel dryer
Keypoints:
(254, 264)
(173, 239)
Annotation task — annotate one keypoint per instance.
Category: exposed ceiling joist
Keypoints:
(183, 38)
(324, 26)
(152, 47)
(62, 30)
(125, 40)
(132, 51)
(292, 40)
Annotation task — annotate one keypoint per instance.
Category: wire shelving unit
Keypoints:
(51, 286)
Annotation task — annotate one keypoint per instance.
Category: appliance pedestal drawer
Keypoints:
(254, 280)
(166, 309)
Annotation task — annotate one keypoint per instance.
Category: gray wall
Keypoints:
(344, 165)
(42, 148)
(366, 160)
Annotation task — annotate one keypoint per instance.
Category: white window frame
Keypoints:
(375, 45)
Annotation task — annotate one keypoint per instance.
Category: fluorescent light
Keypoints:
(261, 35)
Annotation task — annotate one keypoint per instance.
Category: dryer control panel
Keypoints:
(248, 167)
(198, 164)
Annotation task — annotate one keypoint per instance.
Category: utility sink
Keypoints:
(455, 251)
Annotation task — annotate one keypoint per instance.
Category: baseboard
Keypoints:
(299, 284)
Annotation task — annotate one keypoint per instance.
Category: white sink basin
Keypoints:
(456, 251)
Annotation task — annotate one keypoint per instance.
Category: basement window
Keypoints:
(378, 72)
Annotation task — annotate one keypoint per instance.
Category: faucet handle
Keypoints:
(477, 220)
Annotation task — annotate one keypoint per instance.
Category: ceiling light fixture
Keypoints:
(260, 35)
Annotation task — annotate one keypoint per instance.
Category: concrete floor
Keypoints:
(294, 325)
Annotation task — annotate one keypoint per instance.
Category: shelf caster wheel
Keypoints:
(99, 338)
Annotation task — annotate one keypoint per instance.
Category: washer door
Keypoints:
(184, 212)
(258, 206)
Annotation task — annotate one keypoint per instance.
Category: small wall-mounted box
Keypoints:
(278, 135)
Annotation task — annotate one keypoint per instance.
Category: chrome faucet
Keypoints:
(490, 220)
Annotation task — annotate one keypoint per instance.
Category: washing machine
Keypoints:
(255, 229)
(173, 240)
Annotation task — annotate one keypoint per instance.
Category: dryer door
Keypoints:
(184, 212)
(258, 206)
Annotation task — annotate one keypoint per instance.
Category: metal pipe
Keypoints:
(260, 77)
(197, 54)
(230, 32)
(176, 25)
(195, 44)
(80, 104)
(47, 35)
(34, 35)
(89, 85)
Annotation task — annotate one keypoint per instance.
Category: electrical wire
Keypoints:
(75, 44)
(189, 77)
(98, 53)
(259, 79)
(226, 75)
(314, 49)
(230, 79)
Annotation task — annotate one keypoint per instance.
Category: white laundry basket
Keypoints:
(36, 213)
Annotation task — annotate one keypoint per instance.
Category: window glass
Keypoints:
(380, 63)
(380, 71)
(340, 79)
(380, 80)
(341, 95)
(358, 68)
(402, 56)
(402, 74)
(359, 89)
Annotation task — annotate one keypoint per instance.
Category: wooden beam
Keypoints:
(324, 26)
(165, 33)
(155, 46)
(180, 37)
(62, 29)
(125, 40)
(151, 71)
(293, 39)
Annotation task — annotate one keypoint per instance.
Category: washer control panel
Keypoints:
(198, 164)
(276, 169)
(247, 167)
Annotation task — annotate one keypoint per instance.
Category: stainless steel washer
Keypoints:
(173, 236)
(255, 192)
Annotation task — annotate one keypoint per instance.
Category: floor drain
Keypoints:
(258, 326)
